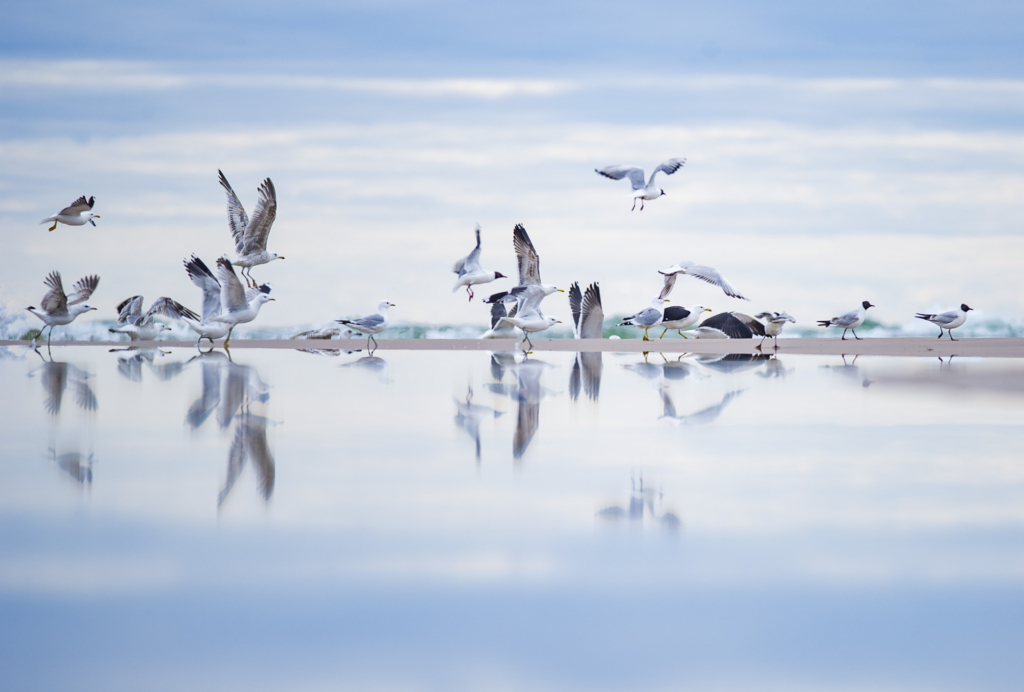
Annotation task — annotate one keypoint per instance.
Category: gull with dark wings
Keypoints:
(78, 213)
(250, 235)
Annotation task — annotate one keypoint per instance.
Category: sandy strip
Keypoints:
(977, 347)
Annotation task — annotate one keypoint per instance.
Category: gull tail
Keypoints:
(923, 316)
(825, 323)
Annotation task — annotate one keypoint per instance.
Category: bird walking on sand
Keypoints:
(78, 213)
(850, 321)
(371, 324)
(471, 273)
(946, 320)
(250, 235)
(57, 308)
(643, 191)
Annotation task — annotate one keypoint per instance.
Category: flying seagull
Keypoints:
(250, 235)
(78, 213)
(471, 273)
(698, 271)
(240, 305)
(946, 320)
(372, 324)
(641, 190)
(851, 320)
(58, 308)
(530, 291)
(139, 326)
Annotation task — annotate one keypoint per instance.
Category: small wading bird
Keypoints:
(139, 326)
(250, 235)
(850, 321)
(78, 214)
(946, 320)
(471, 273)
(372, 324)
(240, 305)
(641, 191)
(59, 309)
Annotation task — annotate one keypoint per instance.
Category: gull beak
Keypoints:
(560, 290)
(93, 308)
(707, 309)
(95, 216)
(273, 299)
(280, 258)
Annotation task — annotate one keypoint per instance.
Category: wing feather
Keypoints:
(78, 206)
(704, 273)
(232, 294)
(526, 256)
(203, 278)
(592, 321)
(83, 289)
(634, 173)
(258, 230)
(238, 220)
(55, 301)
(129, 310)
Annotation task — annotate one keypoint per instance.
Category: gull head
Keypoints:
(963, 306)
(262, 298)
(699, 308)
(274, 256)
(867, 305)
(552, 321)
(90, 216)
(384, 305)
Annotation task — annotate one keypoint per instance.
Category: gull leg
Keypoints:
(469, 290)
(645, 333)
(54, 226)
(228, 338)
(950, 332)
(633, 209)
(940, 333)
(641, 204)
(681, 334)
(663, 333)
(855, 335)
(844, 335)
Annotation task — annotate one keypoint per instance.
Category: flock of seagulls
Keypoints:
(515, 313)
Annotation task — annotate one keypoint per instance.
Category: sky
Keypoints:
(834, 153)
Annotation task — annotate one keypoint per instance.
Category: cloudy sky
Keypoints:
(835, 154)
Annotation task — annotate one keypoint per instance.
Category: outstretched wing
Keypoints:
(670, 283)
(471, 261)
(78, 206)
(83, 289)
(232, 294)
(497, 312)
(729, 325)
(169, 308)
(203, 278)
(702, 272)
(55, 301)
(668, 167)
(575, 306)
(129, 310)
(526, 256)
(263, 216)
(755, 326)
(591, 324)
(238, 221)
(634, 173)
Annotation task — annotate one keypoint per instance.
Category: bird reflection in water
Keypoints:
(57, 377)
(587, 323)
(644, 503)
(469, 416)
(526, 391)
(232, 391)
(76, 465)
(850, 369)
(708, 414)
(371, 363)
(586, 375)
(773, 367)
(129, 363)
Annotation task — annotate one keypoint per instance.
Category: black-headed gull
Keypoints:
(471, 273)
(946, 320)
(850, 321)
(643, 191)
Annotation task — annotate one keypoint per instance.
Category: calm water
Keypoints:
(462, 521)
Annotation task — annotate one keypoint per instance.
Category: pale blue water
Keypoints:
(445, 521)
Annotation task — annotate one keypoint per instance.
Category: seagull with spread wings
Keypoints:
(471, 273)
(698, 271)
(250, 235)
(78, 213)
(643, 191)
(141, 326)
(58, 308)
(240, 305)
(530, 291)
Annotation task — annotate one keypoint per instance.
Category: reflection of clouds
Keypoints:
(56, 377)
(231, 390)
(644, 502)
(469, 416)
(586, 371)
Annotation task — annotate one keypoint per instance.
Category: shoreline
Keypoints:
(1000, 347)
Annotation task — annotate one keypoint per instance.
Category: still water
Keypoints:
(469, 521)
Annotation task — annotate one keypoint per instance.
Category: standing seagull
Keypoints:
(57, 308)
(698, 271)
(642, 191)
(250, 235)
(851, 320)
(648, 317)
(680, 318)
(205, 326)
(240, 305)
(372, 324)
(78, 214)
(773, 324)
(143, 327)
(471, 273)
(946, 320)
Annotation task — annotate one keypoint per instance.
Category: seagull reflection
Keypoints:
(679, 369)
(851, 370)
(586, 371)
(643, 501)
(470, 416)
(705, 415)
(56, 377)
(250, 443)
(528, 374)
(74, 464)
(773, 367)
(130, 364)
(371, 363)
(732, 362)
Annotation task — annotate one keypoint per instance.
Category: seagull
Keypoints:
(530, 290)
(205, 327)
(250, 235)
(530, 320)
(58, 309)
(648, 317)
(851, 320)
(77, 214)
(240, 305)
(697, 271)
(471, 273)
(680, 318)
(729, 325)
(587, 323)
(946, 320)
(501, 328)
(143, 327)
(372, 324)
(773, 324)
(642, 191)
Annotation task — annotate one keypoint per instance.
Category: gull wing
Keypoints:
(169, 308)
(203, 278)
(497, 312)
(259, 451)
(754, 325)
(704, 273)
(232, 294)
(236, 462)
(945, 317)
(576, 307)
(129, 310)
(470, 262)
(670, 283)
(238, 220)
(526, 256)
(669, 167)
(263, 216)
(83, 289)
(729, 325)
(55, 301)
(634, 173)
(591, 323)
(78, 206)
(847, 319)
(669, 408)
(673, 313)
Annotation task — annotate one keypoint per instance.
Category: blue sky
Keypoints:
(835, 153)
